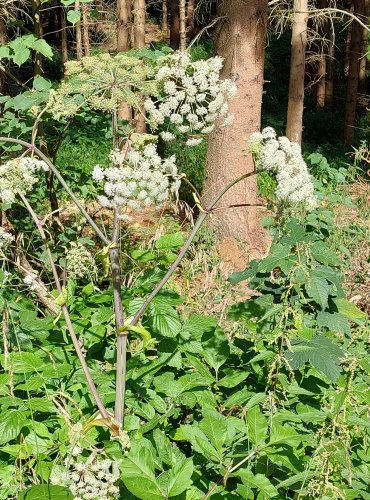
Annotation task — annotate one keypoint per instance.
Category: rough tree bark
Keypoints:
(191, 19)
(362, 83)
(2, 42)
(329, 79)
(78, 31)
(63, 35)
(123, 45)
(182, 21)
(241, 42)
(85, 30)
(139, 43)
(297, 71)
(353, 74)
(164, 19)
(174, 24)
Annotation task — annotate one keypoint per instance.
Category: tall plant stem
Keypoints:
(58, 175)
(65, 312)
(201, 218)
(114, 252)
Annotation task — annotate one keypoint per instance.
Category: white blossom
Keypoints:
(193, 141)
(30, 281)
(280, 155)
(6, 239)
(18, 176)
(167, 136)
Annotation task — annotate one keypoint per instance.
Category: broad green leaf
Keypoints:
(26, 362)
(102, 316)
(142, 255)
(73, 16)
(137, 473)
(40, 83)
(43, 405)
(284, 435)
(11, 423)
(318, 290)
(233, 379)
(216, 348)
(214, 427)
(350, 310)
(278, 254)
(21, 51)
(168, 241)
(323, 254)
(258, 481)
(46, 492)
(4, 51)
(335, 322)
(176, 480)
(257, 426)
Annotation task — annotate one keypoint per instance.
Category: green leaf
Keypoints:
(73, 16)
(278, 254)
(178, 479)
(284, 435)
(258, 481)
(11, 423)
(142, 255)
(46, 492)
(324, 254)
(137, 473)
(335, 322)
(216, 348)
(26, 362)
(318, 290)
(40, 83)
(214, 427)
(165, 319)
(21, 52)
(43, 405)
(168, 241)
(350, 311)
(102, 316)
(257, 426)
(233, 379)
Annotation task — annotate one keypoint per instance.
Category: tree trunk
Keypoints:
(353, 74)
(241, 43)
(297, 72)
(63, 35)
(164, 19)
(123, 45)
(329, 79)
(139, 24)
(3, 86)
(78, 31)
(174, 25)
(182, 12)
(362, 87)
(321, 80)
(37, 29)
(85, 30)
(191, 19)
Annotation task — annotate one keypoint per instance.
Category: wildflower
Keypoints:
(18, 176)
(193, 141)
(167, 136)
(30, 281)
(80, 263)
(6, 239)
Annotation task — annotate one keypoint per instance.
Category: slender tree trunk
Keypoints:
(241, 43)
(3, 86)
(362, 87)
(139, 43)
(164, 19)
(37, 71)
(347, 47)
(139, 23)
(321, 80)
(85, 30)
(123, 45)
(297, 72)
(182, 12)
(329, 80)
(174, 24)
(353, 74)
(78, 30)
(191, 19)
(63, 35)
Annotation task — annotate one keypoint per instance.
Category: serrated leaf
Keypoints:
(11, 423)
(214, 427)
(175, 481)
(350, 310)
(41, 84)
(278, 254)
(216, 348)
(258, 481)
(46, 492)
(318, 290)
(257, 426)
(335, 322)
(324, 254)
(168, 241)
(233, 379)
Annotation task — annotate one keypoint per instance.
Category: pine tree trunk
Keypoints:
(174, 24)
(139, 43)
(321, 80)
(297, 72)
(362, 84)
(123, 45)
(164, 19)
(78, 31)
(241, 43)
(139, 23)
(85, 30)
(3, 37)
(37, 30)
(191, 19)
(63, 35)
(329, 79)
(353, 74)
(182, 12)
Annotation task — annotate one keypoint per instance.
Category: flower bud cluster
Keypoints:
(192, 96)
(6, 239)
(30, 281)
(80, 263)
(280, 155)
(93, 479)
(17, 176)
(137, 179)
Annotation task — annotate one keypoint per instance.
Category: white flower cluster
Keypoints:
(91, 480)
(138, 179)
(79, 262)
(6, 239)
(18, 176)
(30, 281)
(193, 96)
(294, 183)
